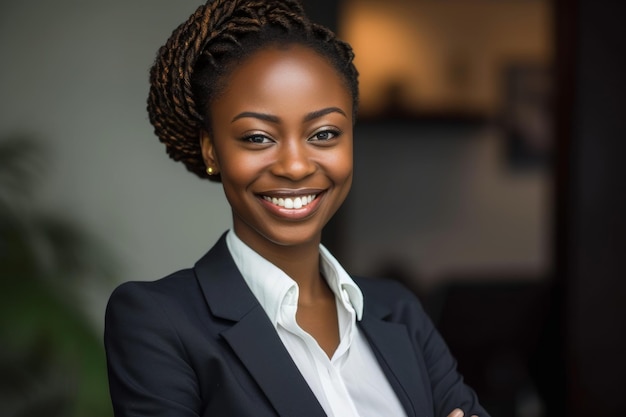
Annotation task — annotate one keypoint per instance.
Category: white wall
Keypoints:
(75, 75)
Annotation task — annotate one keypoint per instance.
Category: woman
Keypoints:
(252, 94)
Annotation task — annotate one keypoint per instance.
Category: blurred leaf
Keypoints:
(52, 362)
(21, 159)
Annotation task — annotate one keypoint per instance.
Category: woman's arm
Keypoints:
(148, 373)
(448, 388)
(457, 412)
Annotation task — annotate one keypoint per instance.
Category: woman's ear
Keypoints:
(208, 152)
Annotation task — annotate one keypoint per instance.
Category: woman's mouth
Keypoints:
(291, 202)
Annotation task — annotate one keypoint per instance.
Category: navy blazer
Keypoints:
(198, 343)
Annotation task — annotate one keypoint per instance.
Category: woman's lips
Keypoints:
(293, 207)
(291, 202)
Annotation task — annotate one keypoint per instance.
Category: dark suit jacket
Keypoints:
(198, 343)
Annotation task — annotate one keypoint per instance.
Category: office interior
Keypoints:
(488, 179)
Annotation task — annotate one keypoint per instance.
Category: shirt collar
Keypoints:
(340, 282)
(272, 287)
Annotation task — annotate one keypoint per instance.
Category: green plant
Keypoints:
(51, 358)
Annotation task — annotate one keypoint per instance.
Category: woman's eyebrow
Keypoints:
(262, 116)
(319, 113)
(275, 119)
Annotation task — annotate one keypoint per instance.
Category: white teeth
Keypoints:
(291, 203)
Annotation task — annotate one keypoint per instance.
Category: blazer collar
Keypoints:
(394, 350)
(255, 341)
(252, 336)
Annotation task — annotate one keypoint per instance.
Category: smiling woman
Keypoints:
(282, 130)
(254, 95)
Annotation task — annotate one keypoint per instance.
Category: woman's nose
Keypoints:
(293, 160)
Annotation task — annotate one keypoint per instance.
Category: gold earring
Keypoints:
(209, 171)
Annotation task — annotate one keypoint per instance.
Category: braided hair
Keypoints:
(191, 69)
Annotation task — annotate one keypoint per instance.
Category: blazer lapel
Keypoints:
(252, 336)
(270, 364)
(393, 349)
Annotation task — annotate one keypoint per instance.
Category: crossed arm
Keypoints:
(457, 412)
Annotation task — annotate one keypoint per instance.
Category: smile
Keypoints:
(289, 202)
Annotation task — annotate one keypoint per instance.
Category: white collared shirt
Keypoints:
(351, 383)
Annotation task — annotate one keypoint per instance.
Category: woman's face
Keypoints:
(282, 142)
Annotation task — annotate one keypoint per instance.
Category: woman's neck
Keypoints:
(300, 262)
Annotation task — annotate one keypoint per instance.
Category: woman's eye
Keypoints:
(325, 135)
(257, 139)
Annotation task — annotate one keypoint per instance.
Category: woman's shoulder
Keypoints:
(383, 287)
(394, 302)
(176, 286)
(171, 304)
(387, 292)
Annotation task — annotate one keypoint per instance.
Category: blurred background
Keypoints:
(488, 180)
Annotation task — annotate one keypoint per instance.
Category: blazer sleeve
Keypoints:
(448, 388)
(149, 374)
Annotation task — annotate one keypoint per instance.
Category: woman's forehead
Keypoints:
(286, 63)
(286, 78)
